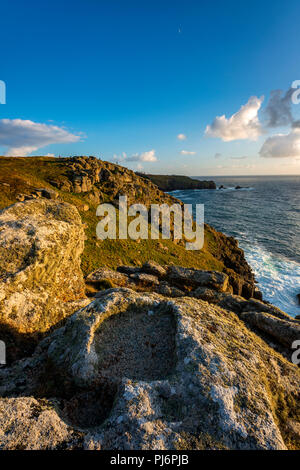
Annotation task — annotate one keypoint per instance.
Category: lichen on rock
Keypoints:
(41, 242)
(173, 373)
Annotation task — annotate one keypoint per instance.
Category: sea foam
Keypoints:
(278, 278)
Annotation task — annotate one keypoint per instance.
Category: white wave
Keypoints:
(179, 193)
(278, 278)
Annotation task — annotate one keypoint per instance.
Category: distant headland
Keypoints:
(176, 182)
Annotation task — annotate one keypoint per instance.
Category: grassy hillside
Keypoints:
(85, 182)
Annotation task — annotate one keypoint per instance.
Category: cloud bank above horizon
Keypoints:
(246, 125)
(251, 122)
(282, 145)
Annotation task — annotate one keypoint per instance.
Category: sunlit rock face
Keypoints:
(40, 246)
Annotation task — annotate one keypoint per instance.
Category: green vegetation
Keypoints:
(24, 175)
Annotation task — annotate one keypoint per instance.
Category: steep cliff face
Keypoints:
(240, 274)
(136, 371)
(104, 181)
(86, 182)
(175, 182)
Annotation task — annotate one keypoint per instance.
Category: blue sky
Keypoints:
(122, 79)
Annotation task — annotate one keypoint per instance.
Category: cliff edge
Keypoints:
(157, 356)
(178, 182)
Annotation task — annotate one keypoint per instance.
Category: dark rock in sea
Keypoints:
(222, 187)
(238, 187)
(298, 297)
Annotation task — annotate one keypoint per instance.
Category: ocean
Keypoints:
(264, 216)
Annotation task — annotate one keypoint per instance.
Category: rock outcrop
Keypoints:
(141, 371)
(41, 282)
(197, 277)
(152, 274)
(210, 286)
(94, 177)
(284, 331)
(88, 181)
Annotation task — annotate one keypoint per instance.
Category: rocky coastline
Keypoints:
(150, 354)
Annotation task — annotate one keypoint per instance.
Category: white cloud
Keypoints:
(244, 124)
(23, 136)
(181, 137)
(278, 110)
(138, 157)
(187, 152)
(282, 145)
(143, 157)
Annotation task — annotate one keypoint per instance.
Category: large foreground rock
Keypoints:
(141, 371)
(40, 246)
